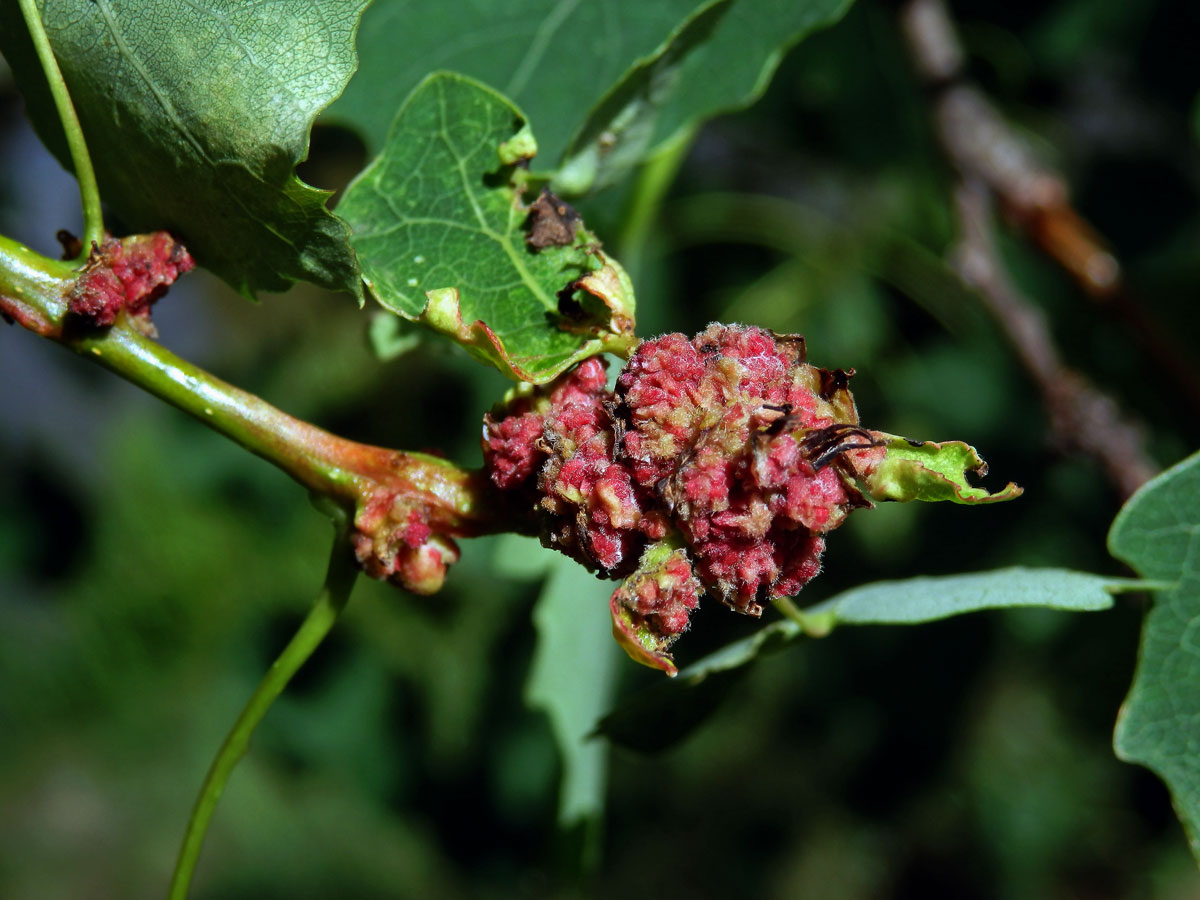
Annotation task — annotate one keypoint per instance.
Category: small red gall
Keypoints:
(127, 275)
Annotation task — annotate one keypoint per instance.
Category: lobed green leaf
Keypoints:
(1157, 532)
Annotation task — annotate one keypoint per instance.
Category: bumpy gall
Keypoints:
(729, 445)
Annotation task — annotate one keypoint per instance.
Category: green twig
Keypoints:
(33, 288)
(89, 193)
(329, 603)
(456, 501)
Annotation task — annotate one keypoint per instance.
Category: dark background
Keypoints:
(149, 570)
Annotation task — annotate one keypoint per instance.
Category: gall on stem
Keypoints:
(407, 508)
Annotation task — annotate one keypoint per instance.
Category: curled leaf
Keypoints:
(606, 306)
(445, 239)
(443, 313)
(924, 470)
(642, 645)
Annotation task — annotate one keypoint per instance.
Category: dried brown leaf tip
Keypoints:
(552, 222)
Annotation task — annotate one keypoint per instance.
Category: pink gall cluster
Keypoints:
(394, 542)
(127, 275)
(728, 442)
(588, 505)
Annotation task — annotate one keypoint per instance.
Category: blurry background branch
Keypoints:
(1082, 417)
(995, 162)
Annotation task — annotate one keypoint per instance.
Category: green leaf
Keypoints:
(440, 232)
(620, 130)
(672, 710)
(196, 115)
(719, 59)
(554, 58)
(571, 680)
(1157, 532)
(923, 470)
(580, 69)
(927, 599)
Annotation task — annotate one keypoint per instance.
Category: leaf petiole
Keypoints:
(812, 625)
(89, 192)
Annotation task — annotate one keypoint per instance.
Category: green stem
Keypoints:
(33, 288)
(653, 181)
(329, 603)
(789, 609)
(306, 452)
(813, 625)
(89, 193)
(458, 499)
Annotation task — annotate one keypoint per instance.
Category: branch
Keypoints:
(981, 144)
(407, 507)
(993, 161)
(1082, 417)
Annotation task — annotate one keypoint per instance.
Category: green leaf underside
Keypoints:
(719, 59)
(571, 680)
(913, 601)
(905, 602)
(914, 470)
(929, 598)
(196, 115)
(1157, 532)
(439, 232)
(564, 61)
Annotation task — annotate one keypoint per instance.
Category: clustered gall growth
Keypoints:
(718, 463)
(127, 275)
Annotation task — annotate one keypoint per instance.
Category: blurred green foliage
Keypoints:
(149, 571)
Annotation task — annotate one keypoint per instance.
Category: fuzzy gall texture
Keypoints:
(662, 595)
(127, 275)
(652, 606)
(392, 541)
(729, 441)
